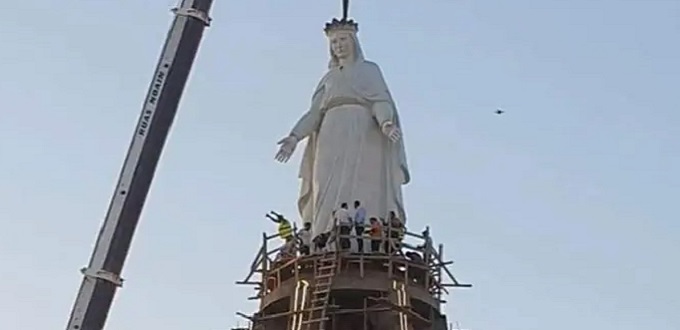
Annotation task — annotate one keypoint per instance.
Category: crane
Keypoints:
(101, 278)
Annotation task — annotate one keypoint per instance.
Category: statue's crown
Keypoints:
(341, 25)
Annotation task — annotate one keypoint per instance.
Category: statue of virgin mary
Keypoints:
(355, 150)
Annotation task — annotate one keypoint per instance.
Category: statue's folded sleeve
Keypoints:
(310, 121)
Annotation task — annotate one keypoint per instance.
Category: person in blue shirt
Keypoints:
(359, 224)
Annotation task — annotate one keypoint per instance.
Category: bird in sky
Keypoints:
(499, 111)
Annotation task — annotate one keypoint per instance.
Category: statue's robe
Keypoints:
(347, 157)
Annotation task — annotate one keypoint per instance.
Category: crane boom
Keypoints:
(101, 278)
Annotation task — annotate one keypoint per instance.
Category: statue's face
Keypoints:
(342, 45)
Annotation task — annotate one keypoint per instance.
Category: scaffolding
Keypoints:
(293, 288)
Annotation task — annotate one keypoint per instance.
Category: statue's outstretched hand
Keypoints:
(391, 131)
(286, 149)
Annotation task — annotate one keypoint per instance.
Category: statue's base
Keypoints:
(344, 290)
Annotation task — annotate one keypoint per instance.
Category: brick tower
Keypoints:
(345, 290)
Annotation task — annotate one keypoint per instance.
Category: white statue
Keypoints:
(355, 149)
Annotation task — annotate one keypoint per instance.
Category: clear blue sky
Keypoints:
(562, 212)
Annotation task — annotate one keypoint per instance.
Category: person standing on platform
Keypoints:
(344, 221)
(305, 237)
(427, 246)
(359, 224)
(285, 229)
(376, 234)
(396, 233)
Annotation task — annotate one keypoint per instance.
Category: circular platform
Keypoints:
(358, 281)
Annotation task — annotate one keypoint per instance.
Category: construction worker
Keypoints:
(427, 247)
(375, 232)
(396, 235)
(285, 229)
(289, 249)
(320, 242)
(304, 236)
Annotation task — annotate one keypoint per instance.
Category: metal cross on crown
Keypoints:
(345, 9)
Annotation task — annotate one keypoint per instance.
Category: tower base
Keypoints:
(341, 290)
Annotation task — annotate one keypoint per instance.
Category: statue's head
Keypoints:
(344, 45)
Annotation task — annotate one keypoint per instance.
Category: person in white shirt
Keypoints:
(305, 237)
(344, 221)
(287, 251)
(359, 224)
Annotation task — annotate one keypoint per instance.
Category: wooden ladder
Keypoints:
(318, 305)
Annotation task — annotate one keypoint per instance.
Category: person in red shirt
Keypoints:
(376, 232)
